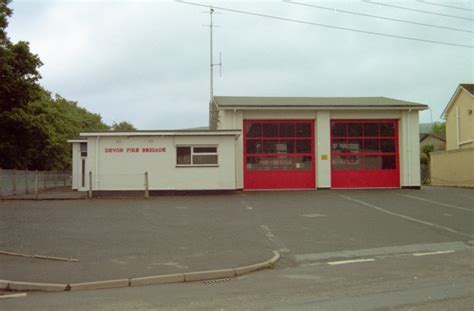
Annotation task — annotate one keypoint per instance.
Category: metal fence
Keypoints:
(18, 182)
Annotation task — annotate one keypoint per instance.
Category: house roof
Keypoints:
(467, 87)
(423, 136)
(315, 102)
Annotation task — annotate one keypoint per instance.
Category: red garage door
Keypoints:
(364, 154)
(279, 154)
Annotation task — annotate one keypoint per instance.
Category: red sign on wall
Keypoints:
(135, 150)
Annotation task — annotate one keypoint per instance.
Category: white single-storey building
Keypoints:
(262, 143)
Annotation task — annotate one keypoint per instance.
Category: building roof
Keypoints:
(315, 102)
(423, 136)
(467, 87)
(195, 132)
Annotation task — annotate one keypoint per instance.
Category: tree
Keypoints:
(123, 126)
(18, 67)
(439, 128)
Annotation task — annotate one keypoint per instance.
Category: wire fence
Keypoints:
(19, 182)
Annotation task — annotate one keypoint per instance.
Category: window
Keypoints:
(364, 145)
(278, 145)
(83, 149)
(196, 156)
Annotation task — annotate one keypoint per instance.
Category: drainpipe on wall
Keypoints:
(97, 162)
(458, 139)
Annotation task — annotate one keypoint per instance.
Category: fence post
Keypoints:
(26, 182)
(1, 182)
(44, 180)
(90, 185)
(147, 194)
(14, 182)
(36, 184)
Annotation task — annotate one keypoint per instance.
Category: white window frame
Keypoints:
(199, 153)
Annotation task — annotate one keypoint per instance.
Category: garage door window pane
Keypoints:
(343, 162)
(340, 145)
(371, 129)
(252, 163)
(303, 163)
(339, 130)
(183, 155)
(303, 130)
(372, 162)
(286, 146)
(254, 146)
(355, 145)
(270, 130)
(205, 159)
(387, 145)
(303, 146)
(254, 130)
(355, 129)
(387, 129)
(286, 163)
(287, 130)
(371, 145)
(389, 162)
(270, 146)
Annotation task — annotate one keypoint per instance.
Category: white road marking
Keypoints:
(271, 237)
(436, 202)
(343, 262)
(313, 215)
(407, 217)
(19, 295)
(247, 206)
(433, 253)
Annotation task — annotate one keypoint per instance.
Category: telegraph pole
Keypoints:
(211, 64)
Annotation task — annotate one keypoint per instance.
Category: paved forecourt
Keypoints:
(115, 239)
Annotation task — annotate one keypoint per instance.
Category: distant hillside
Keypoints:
(426, 128)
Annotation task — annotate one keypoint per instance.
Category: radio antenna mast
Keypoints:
(212, 64)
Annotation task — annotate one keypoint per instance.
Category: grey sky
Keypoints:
(147, 61)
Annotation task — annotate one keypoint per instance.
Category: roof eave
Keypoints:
(304, 107)
(162, 134)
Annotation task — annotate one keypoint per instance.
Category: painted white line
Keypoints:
(313, 215)
(436, 202)
(247, 206)
(433, 253)
(407, 217)
(19, 295)
(343, 262)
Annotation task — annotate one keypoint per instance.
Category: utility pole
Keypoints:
(211, 65)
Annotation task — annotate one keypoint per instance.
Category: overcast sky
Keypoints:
(147, 62)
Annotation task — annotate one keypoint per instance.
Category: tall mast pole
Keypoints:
(211, 65)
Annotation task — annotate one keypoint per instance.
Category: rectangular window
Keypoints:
(83, 149)
(196, 156)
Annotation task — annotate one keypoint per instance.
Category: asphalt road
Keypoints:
(358, 250)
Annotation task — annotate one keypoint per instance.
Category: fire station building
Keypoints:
(262, 143)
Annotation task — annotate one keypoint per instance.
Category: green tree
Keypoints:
(123, 126)
(439, 128)
(18, 67)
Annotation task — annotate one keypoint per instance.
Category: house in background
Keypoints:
(438, 141)
(459, 116)
(454, 167)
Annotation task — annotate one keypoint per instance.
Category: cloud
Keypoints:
(148, 61)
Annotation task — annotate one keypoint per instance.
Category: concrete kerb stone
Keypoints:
(4, 284)
(209, 275)
(141, 281)
(99, 285)
(44, 287)
(158, 279)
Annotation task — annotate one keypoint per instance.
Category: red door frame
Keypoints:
(362, 178)
(280, 179)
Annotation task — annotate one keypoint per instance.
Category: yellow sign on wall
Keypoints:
(324, 157)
